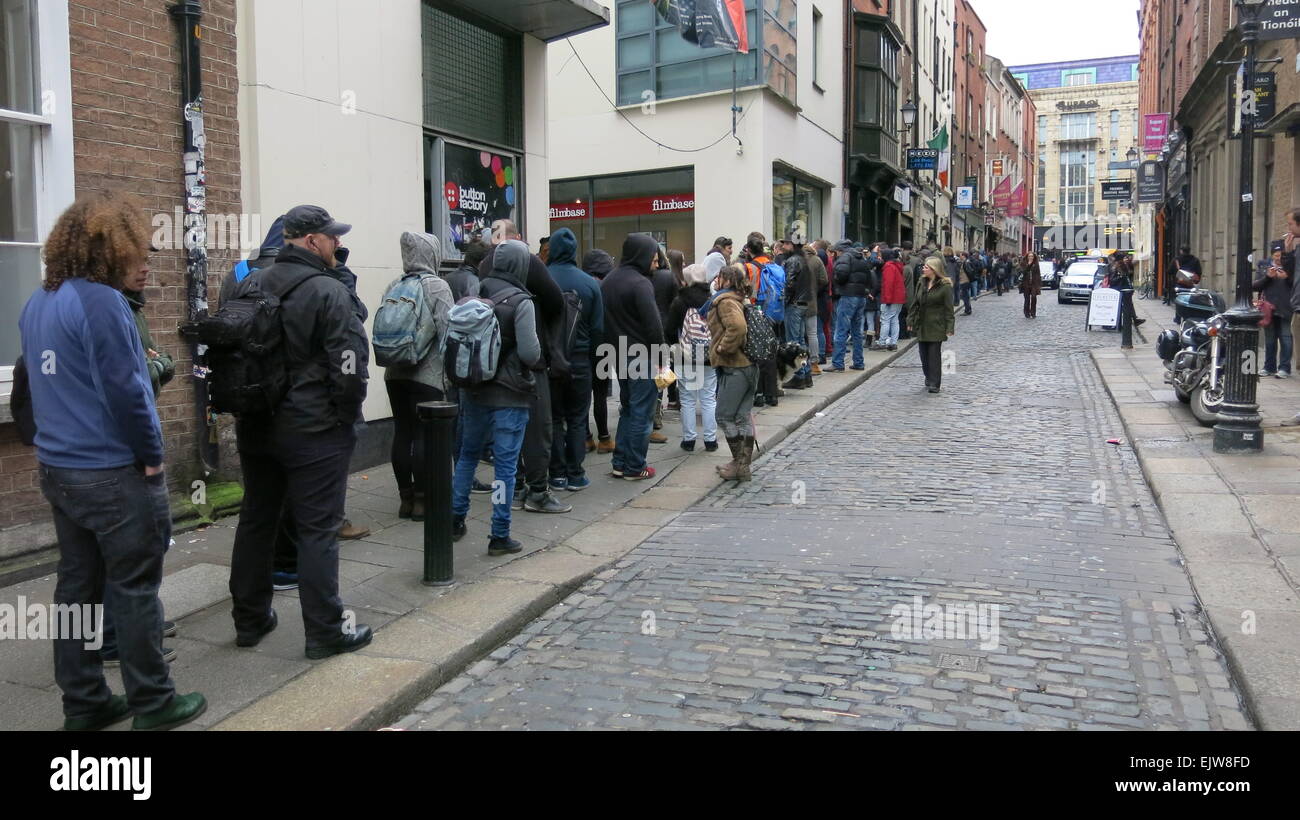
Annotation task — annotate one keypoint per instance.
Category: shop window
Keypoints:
(478, 95)
(796, 203)
(654, 62)
(36, 163)
(467, 188)
(602, 211)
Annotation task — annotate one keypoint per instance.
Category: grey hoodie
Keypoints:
(521, 348)
(422, 253)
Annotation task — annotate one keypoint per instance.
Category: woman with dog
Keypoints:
(737, 375)
(930, 317)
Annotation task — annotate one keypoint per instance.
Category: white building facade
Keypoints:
(641, 136)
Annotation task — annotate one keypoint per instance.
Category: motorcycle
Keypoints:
(1191, 301)
(1193, 358)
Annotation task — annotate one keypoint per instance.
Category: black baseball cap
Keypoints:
(305, 219)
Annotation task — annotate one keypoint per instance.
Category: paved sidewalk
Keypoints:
(423, 636)
(1235, 518)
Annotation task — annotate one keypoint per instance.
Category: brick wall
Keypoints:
(128, 136)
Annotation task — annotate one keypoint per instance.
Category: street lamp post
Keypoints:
(1238, 429)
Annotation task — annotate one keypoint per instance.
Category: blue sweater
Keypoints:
(90, 386)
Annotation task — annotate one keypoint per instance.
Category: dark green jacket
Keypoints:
(930, 312)
(162, 368)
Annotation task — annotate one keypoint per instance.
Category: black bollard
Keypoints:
(438, 418)
(1126, 318)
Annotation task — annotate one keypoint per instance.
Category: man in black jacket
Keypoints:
(300, 456)
(634, 339)
(855, 279)
(464, 280)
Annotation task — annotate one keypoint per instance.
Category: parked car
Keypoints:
(1079, 279)
(1048, 270)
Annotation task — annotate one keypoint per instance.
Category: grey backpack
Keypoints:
(472, 348)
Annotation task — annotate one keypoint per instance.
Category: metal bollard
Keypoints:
(1125, 318)
(438, 418)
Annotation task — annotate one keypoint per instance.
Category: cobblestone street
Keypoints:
(773, 605)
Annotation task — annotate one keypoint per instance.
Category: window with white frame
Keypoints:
(36, 173)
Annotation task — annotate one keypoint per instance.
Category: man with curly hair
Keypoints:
(100, 450)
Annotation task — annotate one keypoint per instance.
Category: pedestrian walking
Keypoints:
(299, 456)
(697, 379)
(498, 409)
(893, 295)
(597, 264)
(1275, 287)
(571, 397)
(1031, 284)
(409, 385)
(737, 376)
(99, 454)
(932, 320)
(632, 327)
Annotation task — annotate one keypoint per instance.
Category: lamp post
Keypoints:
(1238, 429)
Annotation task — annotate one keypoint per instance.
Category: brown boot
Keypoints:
(404, 509)
(605, 445)
(350, 531)
(417, 506)
(591, 445)
(731, 469)
(746, 458)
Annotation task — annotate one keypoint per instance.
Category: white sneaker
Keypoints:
(1294, 422)
(1282, 374)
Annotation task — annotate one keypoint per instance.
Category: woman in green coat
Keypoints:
(929, 316)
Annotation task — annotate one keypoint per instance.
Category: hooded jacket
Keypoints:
(691, 297)
(325, 342)
(521, 348)
(725, 313)
(422, 254)
(893, 290)
(536, 279)
(631, 314)
(805, 277)
(463, 282)
(161, 367)
(597, 263)
(264, 258)
(569, 277)
(854, 275)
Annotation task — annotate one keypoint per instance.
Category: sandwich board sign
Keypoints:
(1103, 308)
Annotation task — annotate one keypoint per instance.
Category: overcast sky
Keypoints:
(1047, 31)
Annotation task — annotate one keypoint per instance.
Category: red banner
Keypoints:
(708, 23)
(634, 206)
(1002, 194)
(1019, 201)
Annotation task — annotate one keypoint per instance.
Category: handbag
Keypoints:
(1266, 308)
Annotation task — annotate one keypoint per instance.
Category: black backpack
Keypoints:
(249, 375)
(562, 336)
(20, 403)
(760, 339)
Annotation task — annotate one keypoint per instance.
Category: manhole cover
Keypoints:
(964, 663)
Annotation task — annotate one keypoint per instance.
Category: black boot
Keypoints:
(404, 509)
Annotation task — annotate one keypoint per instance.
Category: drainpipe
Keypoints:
(188, 15)
(850, 30)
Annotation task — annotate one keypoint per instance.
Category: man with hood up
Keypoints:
(500, 408)
(423, 381)
(571, 398)
(598, 264)
(634, 332)
(264, 257)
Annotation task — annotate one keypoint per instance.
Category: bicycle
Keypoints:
(1148, 288)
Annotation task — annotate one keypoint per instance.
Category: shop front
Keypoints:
(602, 211)
(797, 205)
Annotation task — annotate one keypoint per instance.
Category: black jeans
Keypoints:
(569, 402)
(113, 527)
(404, 396)
(931, 362)
(536, 455)
(600, 402)
(306, 475)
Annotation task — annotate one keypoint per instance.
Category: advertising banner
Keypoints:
(1155, 127)
(1151, 182)
(965, 196)
(631, 206)
(1117, 190)
(1002, 194)
(1280, 20)
(708, 23)
(478, 188)
(1019, 201)
(922, 159)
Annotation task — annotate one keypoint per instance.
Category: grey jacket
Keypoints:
(422, 253)
(515, 384)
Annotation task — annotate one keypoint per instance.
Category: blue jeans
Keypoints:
(796, 330)
(113, 527)
(506, 427)
(966, 291)
(889, 324)
(1278, 333)
(635, 415)
(848, 323)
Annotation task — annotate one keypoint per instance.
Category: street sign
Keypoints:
(922, 159)
(1260, 102)
(965, 196)
(1155, 127)
(1280, 20)
(1117, 190)
(1151, 182)
(997, 167)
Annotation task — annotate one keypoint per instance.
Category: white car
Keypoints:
(1048, 271)
(1077, 281)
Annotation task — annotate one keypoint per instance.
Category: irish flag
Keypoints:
(708, 23)
(939, 142)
